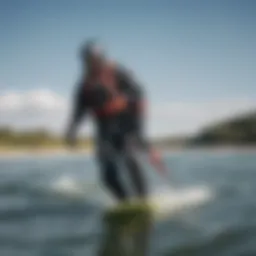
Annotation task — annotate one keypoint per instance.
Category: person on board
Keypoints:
(114, 100)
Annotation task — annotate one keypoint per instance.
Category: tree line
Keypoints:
(237, 131)
(34, 138)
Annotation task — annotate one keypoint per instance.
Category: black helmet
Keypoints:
(90, 49)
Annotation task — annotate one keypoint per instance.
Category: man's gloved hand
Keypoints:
(157, 160)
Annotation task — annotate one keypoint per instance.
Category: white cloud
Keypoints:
(40, 100)
(44, 108)
(33, 109)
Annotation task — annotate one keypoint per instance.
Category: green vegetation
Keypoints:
(168, 142)
(34, 139)
(237, 131)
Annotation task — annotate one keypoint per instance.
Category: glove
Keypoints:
(157, 160)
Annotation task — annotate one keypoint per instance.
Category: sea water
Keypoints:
(53, 205)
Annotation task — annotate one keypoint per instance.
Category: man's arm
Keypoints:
(136, 97)
(135, 94)
(78, 112)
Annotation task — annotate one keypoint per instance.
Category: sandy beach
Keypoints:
(44, 152)
(29, 152)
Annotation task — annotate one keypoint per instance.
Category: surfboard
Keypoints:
(162, 204)
(128, 213)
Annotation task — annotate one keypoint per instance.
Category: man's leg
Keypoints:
(135, 168)
(109, 172)
(130, 143)
(136, 173)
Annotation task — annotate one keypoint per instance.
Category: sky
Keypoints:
(196, 59)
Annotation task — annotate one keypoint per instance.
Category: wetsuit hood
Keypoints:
(92, 50)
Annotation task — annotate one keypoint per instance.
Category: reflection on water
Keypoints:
(127, 231)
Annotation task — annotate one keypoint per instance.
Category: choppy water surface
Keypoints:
(53, 205)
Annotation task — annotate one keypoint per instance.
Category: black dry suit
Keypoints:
(117, 133)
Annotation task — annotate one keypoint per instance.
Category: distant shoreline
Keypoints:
(27, 152)
(219, 149)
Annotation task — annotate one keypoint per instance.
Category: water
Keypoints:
(53, 205)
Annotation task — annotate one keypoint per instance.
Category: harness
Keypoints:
(104, 87)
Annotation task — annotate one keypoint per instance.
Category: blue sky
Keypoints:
(186, 51)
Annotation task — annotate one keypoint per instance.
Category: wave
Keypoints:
(69, 186)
